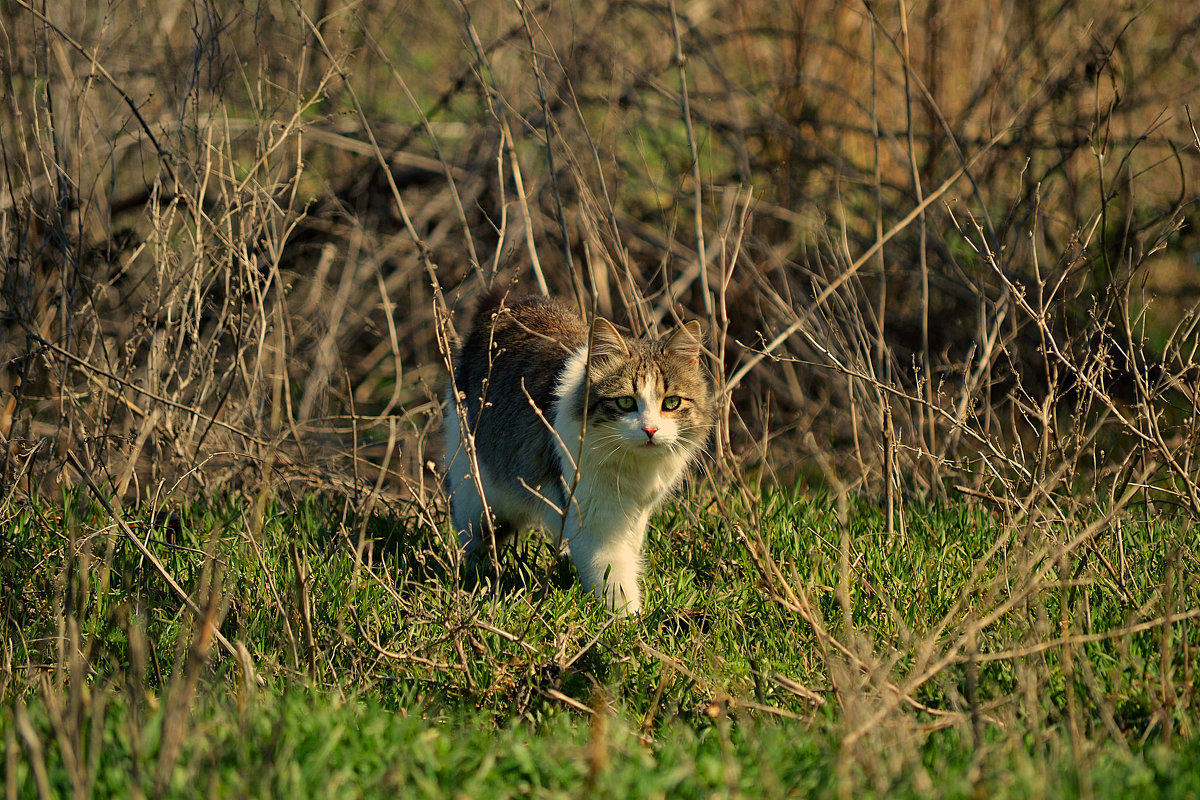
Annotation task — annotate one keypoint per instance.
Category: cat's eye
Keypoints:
(626, 403)
(671, 403)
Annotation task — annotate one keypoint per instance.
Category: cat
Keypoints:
(582, 436)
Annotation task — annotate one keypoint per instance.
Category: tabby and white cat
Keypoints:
(582, 439)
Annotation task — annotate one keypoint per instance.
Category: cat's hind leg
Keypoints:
(479, 532)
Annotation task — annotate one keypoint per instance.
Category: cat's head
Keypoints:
(649, 396)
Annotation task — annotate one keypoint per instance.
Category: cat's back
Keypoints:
(536, 321)
(518, 347)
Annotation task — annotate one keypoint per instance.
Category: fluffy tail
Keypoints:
(489, 303)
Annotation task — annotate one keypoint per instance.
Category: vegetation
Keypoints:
(937, 661)
(945, 255)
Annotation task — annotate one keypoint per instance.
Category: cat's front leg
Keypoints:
(614, 578)
(622, 591)
(611, 567)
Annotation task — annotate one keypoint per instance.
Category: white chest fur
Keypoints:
(621, 479)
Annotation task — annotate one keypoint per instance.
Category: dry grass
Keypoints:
(918, 239)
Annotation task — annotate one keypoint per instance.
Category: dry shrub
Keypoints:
(929, 225)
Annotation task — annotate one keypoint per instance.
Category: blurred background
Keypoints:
(937, 247)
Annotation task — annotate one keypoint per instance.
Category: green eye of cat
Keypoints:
(671, 403)
(626, 403)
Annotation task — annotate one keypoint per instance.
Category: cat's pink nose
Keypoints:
(650, 431)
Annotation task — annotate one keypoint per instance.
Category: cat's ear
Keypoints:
(685, 341)
(607, 341)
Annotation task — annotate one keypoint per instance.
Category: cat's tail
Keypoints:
(489, 303)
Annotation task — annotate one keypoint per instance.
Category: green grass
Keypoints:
(388, 674)
(297, 743)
